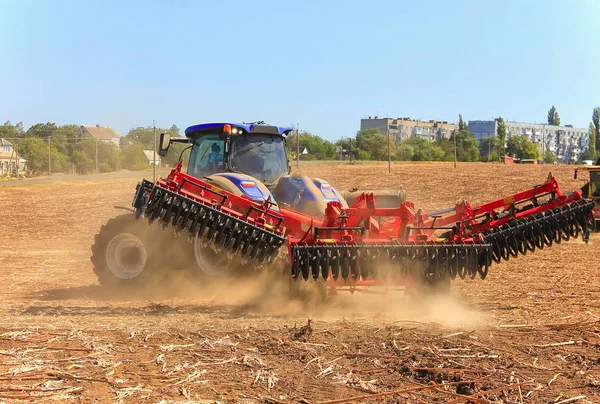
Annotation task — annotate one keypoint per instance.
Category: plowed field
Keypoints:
(528, 333)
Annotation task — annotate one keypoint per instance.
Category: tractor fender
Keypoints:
(306, 195)
(242, 184)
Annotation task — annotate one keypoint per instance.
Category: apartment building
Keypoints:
(566, 142)
(403, 128)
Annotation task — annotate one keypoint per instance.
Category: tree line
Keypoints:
(48, 147)
(370, 144)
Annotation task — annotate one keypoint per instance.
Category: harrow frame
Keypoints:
(346, 248)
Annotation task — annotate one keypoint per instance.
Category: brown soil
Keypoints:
(527, 333)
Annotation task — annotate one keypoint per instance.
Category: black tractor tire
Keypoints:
(129, 253)
(206, 267)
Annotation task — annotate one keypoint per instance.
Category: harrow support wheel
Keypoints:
(129, 253)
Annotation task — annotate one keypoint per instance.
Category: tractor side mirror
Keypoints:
(163, 144)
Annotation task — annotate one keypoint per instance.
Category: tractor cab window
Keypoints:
(595, 183)
(260, 156)
(207, 156)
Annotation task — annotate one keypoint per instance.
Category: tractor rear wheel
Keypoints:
(127, 253)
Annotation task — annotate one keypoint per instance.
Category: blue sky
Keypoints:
(322, 64)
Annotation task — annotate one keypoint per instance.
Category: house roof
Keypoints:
(149, 153)
(99, 132)
(11, 154)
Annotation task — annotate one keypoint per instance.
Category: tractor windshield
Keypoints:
(206, 157)
(260, 156)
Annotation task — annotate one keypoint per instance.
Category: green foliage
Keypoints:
(84, 156)
(596, 122)
(362, 155)
(9, 131)
(35, 151)
(172, 158)
(553, 117)
(42, 130)
(592, 152)
(144, 136)
(84, 164)
(488, 147)
(404, 152)
(375, 144)
(318, 148)
(467, 148)
(348, 148)
(550, 157)
(522, 148)
(501, 135)
(462, 126)
(132, 158)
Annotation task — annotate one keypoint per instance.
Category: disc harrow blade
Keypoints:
(213, 226)
(387, 261)
(542, 230)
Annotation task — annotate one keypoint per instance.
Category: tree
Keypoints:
(591, 152)
(488, 147)
(42, 130)
(8, 130)
(35, 151)
(461, 123)
(501, 135)
(66, 137)
(132, 158)
(144, 137)
(373, 145)
(404, 152)
(521, 147)
(550, 157)
(553, 117)
(596, 122)
(85, 152)
(467, 148)
(347, 148)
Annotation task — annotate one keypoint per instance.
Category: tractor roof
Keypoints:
(245, 128)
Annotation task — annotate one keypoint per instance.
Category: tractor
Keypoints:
(237, 210)
(591, 188)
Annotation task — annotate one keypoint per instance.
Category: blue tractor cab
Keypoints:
(251, 159)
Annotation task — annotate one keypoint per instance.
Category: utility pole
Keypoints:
(17, 158)
(454, 149)
(350, 149)
(543, 142)
(96, 156)
(297, 145)
(154, 151)
(389, 153)
(49, 160)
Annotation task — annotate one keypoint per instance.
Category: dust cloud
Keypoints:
(268, 294)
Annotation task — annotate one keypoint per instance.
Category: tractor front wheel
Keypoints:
(127, 253)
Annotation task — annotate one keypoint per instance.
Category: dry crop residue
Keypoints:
(528, 333)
